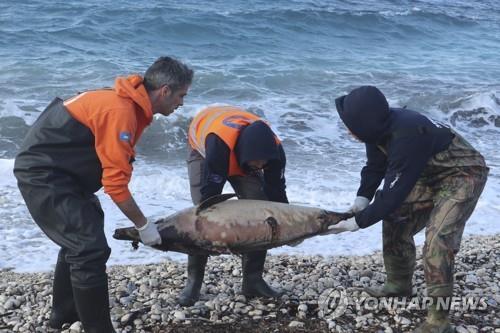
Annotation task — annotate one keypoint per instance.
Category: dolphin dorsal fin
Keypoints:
(214, 200)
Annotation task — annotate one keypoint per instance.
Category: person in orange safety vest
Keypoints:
(227, 143)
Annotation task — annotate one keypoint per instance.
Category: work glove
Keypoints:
(346, 225)
(359, 204)
(149, 234)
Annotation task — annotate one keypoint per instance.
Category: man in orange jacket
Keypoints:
(230, 144)
(73, 149)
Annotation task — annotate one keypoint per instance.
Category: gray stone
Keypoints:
(296, 324)
(76, 327)
(471, 279)
(302, 307)
(404, 321)
(180, 315)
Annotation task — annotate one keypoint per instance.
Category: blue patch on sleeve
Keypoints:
(215, 178)
(125, 136)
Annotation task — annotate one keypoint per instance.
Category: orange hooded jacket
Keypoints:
(117, 119)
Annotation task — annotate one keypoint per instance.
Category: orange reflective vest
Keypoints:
(224, 121)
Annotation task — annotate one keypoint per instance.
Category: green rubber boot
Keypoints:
(437, 321)
(394, 286)
(398, 283)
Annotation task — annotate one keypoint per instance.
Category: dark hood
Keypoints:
(365, 112)
(256, 142)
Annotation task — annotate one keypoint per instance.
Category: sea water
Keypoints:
(284, 60)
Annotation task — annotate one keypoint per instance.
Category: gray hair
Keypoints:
(167, 71)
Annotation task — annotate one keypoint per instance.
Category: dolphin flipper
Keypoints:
(214, 200)
(129, 233)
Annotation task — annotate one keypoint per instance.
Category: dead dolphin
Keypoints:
(221, 226)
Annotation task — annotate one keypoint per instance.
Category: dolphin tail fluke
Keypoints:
(332, 218)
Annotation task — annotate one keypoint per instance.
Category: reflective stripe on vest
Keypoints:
(224, 121)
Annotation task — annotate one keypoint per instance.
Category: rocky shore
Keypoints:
(323, 294)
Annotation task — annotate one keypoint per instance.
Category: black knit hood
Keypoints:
(365, 112)
(256, 142)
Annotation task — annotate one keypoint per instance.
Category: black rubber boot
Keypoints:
(92, 305)
(195, 270)
(253, 284)
(63, 304)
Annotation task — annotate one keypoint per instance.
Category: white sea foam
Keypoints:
(13, 107)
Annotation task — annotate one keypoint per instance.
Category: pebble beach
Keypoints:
(143, 297)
